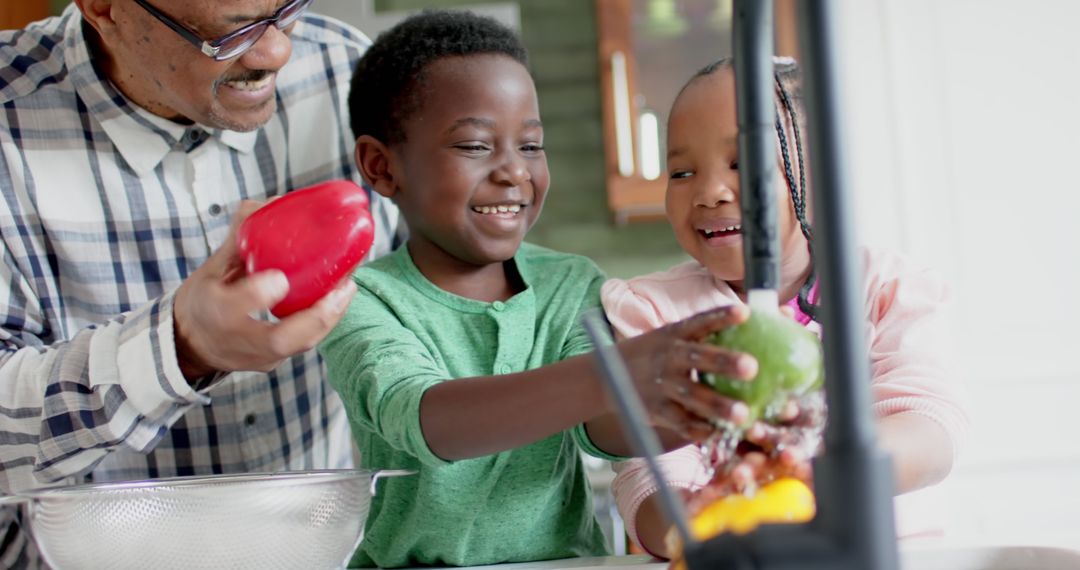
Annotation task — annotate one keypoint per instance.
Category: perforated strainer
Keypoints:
(302, 519)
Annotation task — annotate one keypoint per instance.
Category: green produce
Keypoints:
(789, 363)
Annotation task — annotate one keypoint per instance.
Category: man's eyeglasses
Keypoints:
(237, 42)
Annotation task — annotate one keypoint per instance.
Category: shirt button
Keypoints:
(505, 369)
(194, 136)
(249, 420)
(215, 209)
(498, 305)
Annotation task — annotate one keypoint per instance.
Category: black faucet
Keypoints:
(853, 479)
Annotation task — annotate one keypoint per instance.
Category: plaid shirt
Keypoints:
(105, 210)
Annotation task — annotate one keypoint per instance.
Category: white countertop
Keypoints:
(635, 562)
(911, 558)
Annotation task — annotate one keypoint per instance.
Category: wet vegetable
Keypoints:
(316, 236)
(789, 363)
(785, 500)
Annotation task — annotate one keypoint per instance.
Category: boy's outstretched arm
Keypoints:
(479, 416)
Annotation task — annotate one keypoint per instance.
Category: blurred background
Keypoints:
(963, 122)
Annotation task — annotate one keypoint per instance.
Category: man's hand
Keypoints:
(213, 309)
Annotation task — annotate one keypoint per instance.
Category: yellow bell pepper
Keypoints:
(785, 500)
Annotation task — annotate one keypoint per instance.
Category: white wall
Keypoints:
(964, 117)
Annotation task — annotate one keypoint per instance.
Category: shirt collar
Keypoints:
(142, 138)
(523, 300)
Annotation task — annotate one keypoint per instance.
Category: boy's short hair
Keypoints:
(388, 82)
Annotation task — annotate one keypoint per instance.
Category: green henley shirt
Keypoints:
(402, 335)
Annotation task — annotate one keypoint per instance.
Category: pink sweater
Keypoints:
(911, 368)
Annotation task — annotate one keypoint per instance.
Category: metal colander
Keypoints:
(302, 519)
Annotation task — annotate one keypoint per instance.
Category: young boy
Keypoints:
(458, 356)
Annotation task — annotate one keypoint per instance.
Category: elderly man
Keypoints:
(131, 132)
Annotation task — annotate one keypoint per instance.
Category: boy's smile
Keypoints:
(501, 216)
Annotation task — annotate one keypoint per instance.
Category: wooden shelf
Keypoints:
(15, 14)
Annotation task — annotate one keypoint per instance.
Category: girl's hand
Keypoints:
(665, 363)
(773, 451)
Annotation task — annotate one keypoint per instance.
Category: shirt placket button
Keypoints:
(498, 307)
(192, 138)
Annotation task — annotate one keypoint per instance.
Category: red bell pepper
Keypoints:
(315, 236)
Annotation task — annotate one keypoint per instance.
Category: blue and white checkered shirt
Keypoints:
(105, 210)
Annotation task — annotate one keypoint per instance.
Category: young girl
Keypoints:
(920, 422)
(459, 355)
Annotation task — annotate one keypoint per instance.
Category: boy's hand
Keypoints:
(664, 364)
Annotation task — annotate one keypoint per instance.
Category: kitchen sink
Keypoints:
(989, 558)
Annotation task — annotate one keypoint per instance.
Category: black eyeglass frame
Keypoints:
(212, 48)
